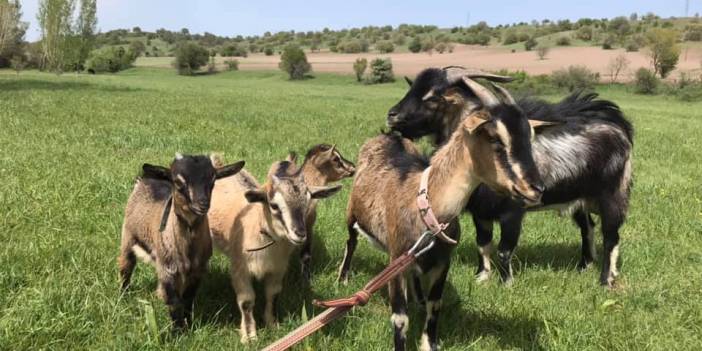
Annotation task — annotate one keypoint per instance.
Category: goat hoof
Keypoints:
(245, 339)
(584, 265)
(482, 276)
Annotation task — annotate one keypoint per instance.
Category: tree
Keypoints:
(530, 44)
(359, 67)
(86, 25)
(617, 65)
(137, 47)
(10, 14)
(12, 31)
(54, 17)
(381, 71)
(189, 57)
(415, 45)
(663, 50)
(293, 61)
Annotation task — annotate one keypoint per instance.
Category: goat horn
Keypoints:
(506, 96)
(455, 73)
(484, 94)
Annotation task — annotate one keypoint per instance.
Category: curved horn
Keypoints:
(455, 73)
(506, 96)
(484, 94)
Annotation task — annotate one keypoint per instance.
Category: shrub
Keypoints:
(385, 46)
(510, 38)
(450, 47)
(527, 85)
(584, 33)
(350, 47)
(428, 45)
(664, 51)
(530, 44)
(232, 65)
(268, 51)
(542, 51)
(440, 47)
(293, 61)
(380, 71)
(415, 45)
(692, 92)
(110, 59)
(645, 81)
(234, 50)
(631, 46)
(563, 41)
(211, 65)
(608, 43)
(693, 33)
(137, 47)
(189, 57)
(359, 67)
(575, 78)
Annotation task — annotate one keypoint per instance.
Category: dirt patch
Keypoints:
(491, 59)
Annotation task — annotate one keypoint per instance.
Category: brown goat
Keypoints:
(258, 227)
(323, 164)
(165, 224)
(491, 146)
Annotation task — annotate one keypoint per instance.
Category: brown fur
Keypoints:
(236, 227)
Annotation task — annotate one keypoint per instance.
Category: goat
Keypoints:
(490, 146)
(323, 164)
(165, 224)
(258, 228)
(583, 155)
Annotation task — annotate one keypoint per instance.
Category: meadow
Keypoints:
(71, 146)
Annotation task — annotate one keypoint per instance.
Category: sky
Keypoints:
(233, 17)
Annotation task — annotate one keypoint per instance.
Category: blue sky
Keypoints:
(255, 17)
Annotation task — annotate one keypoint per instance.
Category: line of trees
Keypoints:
(66, 43)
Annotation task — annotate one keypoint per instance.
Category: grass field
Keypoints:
(71, 146)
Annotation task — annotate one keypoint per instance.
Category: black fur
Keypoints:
(599, 183)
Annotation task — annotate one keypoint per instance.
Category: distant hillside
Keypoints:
(623, 32)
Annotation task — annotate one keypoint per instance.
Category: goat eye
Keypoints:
(275, 207)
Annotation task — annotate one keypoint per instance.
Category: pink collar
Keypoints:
(426, 212)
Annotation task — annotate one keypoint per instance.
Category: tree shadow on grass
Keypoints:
(36, 84)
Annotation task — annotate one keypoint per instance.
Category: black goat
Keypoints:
(583, 155)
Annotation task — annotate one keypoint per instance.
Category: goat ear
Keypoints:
(253, 196)
(536, 124)
(321, 192)
(473, 122)
(229, 170)
(409, 81)
(453, 96)
(292, 157)
(155, 172)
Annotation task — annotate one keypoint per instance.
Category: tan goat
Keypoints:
(491, 146)
(323, 164)
(165, 224)
(258, 227)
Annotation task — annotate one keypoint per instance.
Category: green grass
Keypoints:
(71, 146)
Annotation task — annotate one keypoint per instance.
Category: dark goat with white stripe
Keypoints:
(583, 155)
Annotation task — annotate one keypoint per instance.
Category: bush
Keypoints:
(563, 41)
(110, 59)
(525, 84)
(631, 46)
(293, 61)
(415, 45)
(530, 44)
(645, 81)
(440, 48)
(380, 71)
(692, 92)
(693, 33)
(608, 43)
(234, 50)
(584, 33)
(510, 38)
(359, 67)
(575, 78)
(385, 46)
(268, 51)
(189, 57)
(664, 50)
(137, 47)
(350, 47)
(232, 65)
(542, 51)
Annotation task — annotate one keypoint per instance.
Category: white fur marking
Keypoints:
(142, 254)
(424, 343)
(400, 321)
(613, 257)
(561, 157)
